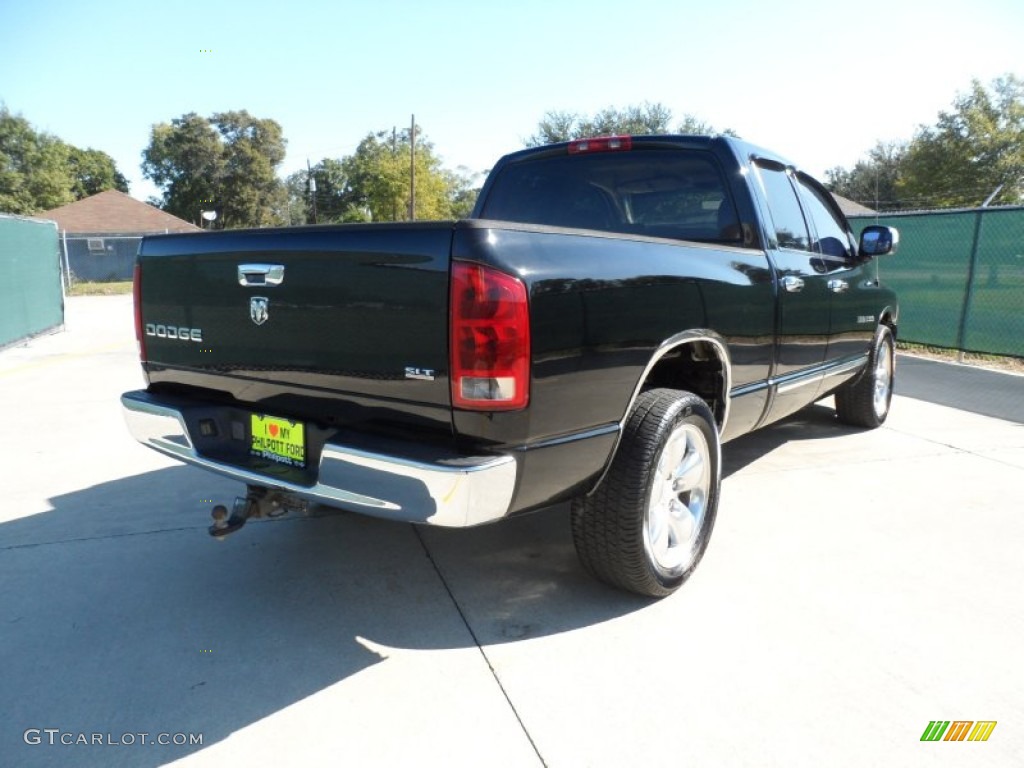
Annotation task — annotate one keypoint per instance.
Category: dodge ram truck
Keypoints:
(612, 312)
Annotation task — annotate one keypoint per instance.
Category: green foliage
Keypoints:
(94, 172)
(378, 173)
(464, 193)
(185, 159)
(38, 171)
(873, 181)
(633, 120)
(252, 195)
(695, 126)
(297, 209)
(972, 150)
(226, 163)
(373, 184)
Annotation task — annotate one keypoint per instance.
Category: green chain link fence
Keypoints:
(31, 298)
(960, 277)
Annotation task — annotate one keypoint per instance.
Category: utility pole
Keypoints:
(412, 170)
(394, 154)
(312, 187)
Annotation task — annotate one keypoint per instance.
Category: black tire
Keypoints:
(865, 401)
(624, 531)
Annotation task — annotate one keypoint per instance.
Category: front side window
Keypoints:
(831, 241)
(787, 216)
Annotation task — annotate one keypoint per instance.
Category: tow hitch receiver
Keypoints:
(257, 502)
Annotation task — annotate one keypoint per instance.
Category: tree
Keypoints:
(692, 124)
(971, 151)
(635, 120)
(38, 171)
(873, 181)
(297, 188)
(373, 184)
(465, 191)
(226, 163)
(252, 195)
(93, 172)
(185, 159)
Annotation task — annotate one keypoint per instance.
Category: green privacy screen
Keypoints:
(31, 300)
(960, 277)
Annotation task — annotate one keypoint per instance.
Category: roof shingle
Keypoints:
(114, 212)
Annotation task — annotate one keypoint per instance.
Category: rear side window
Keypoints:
(787, 216)
(678, 194)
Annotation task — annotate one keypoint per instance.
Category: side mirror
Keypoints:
(878, 241)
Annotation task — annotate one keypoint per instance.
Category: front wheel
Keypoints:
(865, 401)
(648, 524)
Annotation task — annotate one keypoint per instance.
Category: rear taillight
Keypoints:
(601, 144)
(137, 296)
(490, 339)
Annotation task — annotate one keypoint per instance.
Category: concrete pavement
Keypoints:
(858, 585)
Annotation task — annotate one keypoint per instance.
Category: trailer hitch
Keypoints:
(257, 502)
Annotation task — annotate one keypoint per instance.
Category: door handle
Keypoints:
(792, 284)
(260, 274)
(838, 286)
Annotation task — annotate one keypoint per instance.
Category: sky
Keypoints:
(818, 82)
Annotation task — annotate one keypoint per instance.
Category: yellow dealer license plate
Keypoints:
(279, 440)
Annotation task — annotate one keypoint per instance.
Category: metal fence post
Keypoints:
(65, 263)
(969, 289)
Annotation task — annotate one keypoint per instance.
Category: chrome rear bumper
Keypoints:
(413, 485)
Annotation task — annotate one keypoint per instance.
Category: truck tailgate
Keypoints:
(340, 324)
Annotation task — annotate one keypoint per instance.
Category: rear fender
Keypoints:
(695, 361)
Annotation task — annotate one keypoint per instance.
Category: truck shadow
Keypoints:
(816, 422)
(123, 617)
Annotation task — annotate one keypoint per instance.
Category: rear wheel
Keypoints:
(648, 524)
(865, 401)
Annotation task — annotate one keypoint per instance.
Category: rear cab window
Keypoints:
(679, 194)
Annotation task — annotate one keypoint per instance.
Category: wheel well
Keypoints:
(887, 320)
(695, 367)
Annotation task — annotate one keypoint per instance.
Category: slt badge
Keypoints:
(259, 309)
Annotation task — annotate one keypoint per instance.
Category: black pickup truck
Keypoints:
(613, 311)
